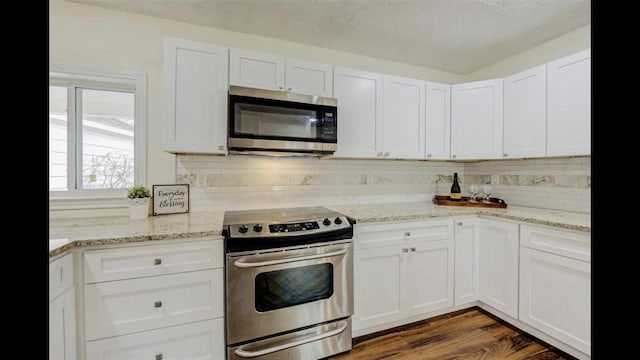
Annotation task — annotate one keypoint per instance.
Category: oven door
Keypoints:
(284, 290)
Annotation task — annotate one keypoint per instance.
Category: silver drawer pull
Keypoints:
(405, 250)
(413, 249)
(157, 304)
(157, 261)
(306, 339)
(459, 223)
(243, 265)
(408, 233)
(159, 356)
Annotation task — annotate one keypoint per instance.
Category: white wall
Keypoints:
(567, 44)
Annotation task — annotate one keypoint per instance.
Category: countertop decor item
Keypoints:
(170, 199)
(138, 201)
(466, 201)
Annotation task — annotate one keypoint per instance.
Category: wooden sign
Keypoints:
(170, 199)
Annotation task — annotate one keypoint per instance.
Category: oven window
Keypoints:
(289, 287)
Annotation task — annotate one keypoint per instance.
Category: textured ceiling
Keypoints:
(458, 36)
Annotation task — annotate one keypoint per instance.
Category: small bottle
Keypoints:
(456, 195)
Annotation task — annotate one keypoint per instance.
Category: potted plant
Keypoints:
(138, 202)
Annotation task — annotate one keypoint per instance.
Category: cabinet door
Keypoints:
(310, 78)
(499, 246)
(555, 296)
(359, 95)
(256, 70)
(429, 276)
(196, 85)
(467, 268)
(438, 121)
(126, 306)
(377, 284)
(202, 340)
(476, 120)
(525, 114)
(569, 105)
(62, 327)
(60, 276)
(403, 118)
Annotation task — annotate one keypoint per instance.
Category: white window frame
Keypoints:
(108, 80)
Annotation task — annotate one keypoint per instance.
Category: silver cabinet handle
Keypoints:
(159, 356)
(289, 89)
(251, 354)
(157, 261)
(459, 223)
(428, 155)
(408, 233)
(380, 153)
(453, 156)
(405, 250)
(243, 265)
(157, 304)
(413, 249)
(505, 155)
(386, 154)
(220, 147)
(280, 87)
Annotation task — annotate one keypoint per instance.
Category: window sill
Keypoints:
(67, 202)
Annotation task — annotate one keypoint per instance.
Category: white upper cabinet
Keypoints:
(403, 119)
(569, 105)
(305, 77)
(272, 72)
(256, 69)
(196, 85)
(476, 120)
(359, 95)
(438, 121)
(525, 115)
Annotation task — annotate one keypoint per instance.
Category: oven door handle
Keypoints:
(244, 265)
(250, 354)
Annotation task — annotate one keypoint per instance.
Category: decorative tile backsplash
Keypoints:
(242, 181)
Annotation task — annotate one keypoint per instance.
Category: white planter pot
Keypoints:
(138, 208)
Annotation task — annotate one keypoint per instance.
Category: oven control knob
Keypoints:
(326, 222)
(257, 228)
(338, 221)
(243, 229)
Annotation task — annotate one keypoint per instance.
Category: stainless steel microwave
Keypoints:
(284, 122)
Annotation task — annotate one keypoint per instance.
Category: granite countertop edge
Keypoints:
(215, 228)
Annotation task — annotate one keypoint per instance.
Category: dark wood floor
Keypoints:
(467, 334)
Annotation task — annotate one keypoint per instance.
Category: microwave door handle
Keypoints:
(245, 265)
(250, 354)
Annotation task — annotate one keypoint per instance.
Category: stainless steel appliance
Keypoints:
(281, 121)
(289, 283)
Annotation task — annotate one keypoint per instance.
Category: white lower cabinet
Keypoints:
(122, 307)
(62, 309)
(203, 340)
(555, 285)
(499, 245)
(467, 256)
(402, 276)
(62, 327)
(171, 306)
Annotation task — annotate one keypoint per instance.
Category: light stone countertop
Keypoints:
(66, 234)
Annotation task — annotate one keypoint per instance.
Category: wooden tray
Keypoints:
(444, 200)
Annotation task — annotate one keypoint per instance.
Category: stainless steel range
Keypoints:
(289, 283)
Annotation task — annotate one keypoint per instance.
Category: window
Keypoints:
(97, 131)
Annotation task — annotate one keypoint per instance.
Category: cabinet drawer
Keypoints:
(149, 260)
(127, 306)
(202, 341)
(565, 243)
(60, 276)
(375, 235)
